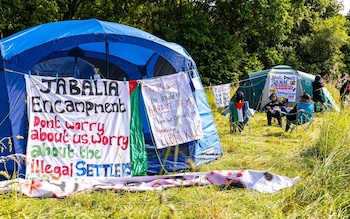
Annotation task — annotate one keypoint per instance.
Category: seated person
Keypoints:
(304, 98)
(239, 104)
(274, 109)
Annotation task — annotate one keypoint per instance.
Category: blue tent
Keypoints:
(80, 48)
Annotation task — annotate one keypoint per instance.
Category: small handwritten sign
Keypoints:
(172, 110)
(222, 94)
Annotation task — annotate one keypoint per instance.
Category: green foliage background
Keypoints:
(226, 38)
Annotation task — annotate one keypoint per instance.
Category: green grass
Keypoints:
(320, 157)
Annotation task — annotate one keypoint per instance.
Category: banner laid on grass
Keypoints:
(172, 110)
(222, 94)
(260, 181)
(78, 129)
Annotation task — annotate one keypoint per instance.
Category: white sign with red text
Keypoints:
(78, 129)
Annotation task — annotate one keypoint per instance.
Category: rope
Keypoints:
(10, 111)
(240, 81)
(252, 84)
(13, 71)
(188, 71)
(13, 108)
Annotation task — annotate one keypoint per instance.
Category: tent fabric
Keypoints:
(90, 47)
(255, 86)
(64, 66)
(252, 85)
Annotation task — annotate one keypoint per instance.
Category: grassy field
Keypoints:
(319, 156)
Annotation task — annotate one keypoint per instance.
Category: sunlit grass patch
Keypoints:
(320, 156)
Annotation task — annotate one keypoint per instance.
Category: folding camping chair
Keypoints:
(240, 116)
(303, 116)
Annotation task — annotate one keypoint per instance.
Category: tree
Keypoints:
(320, 50)
(226, 38)
(318, 35)
(191, 24)
(17, 15)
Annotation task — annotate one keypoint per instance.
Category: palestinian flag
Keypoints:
(237, 111)
(138, 154)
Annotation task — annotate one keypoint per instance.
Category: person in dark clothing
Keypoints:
(274, 109)
(317, 86)
(304, 98)
(240, 99)
(345, 88)
(239, 96)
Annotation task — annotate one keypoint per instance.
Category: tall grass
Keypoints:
(319, 156)
(326, 187)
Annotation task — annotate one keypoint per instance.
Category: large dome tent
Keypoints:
(111, 50)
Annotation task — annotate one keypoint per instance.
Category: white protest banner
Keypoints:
(78, 129)
(172, 110)
(222, 94)
(284, 86)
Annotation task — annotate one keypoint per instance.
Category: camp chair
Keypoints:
(303, 116)
(240, 116)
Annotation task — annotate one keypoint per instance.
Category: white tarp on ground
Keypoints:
(260, 181)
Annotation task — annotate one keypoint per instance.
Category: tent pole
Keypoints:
(107, 59)
(76, 72)
(260, 98)
(176, 156)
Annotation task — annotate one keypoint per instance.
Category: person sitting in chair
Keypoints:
(239, 105)
(238, 112)
(274, 109)
(304, 98)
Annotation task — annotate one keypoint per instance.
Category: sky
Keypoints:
(346, 4)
